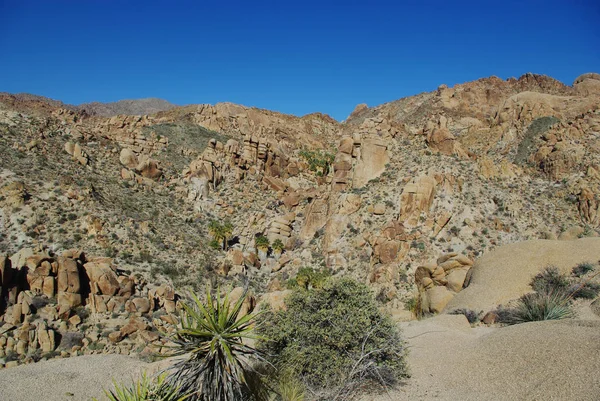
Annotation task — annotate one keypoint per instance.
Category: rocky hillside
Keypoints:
(402, 196)
(135, 107)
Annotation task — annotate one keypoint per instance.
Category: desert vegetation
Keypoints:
(553, 296)
(332, 339)
(311, 350)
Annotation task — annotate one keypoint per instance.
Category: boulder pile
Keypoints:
(439, 281)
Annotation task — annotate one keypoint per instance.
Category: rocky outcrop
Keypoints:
(45, 298)
(316, 218)
(438, 282)
(439, 137)
(589, 207)
(75, 150)
(240, 121)
(281, 228)
(256, 156)
(358, 160)
(416, 200)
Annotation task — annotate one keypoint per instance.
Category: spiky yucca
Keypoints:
(217, 364)
(537, 306)
(146, 389)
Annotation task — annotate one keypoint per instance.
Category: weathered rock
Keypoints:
(148, 168)
(128, 158)
(371, 163)
(103, 279)
(416, 198)
(438, 297)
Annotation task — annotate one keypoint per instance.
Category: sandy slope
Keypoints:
(505, 273)
(449, 360)
(557, 360)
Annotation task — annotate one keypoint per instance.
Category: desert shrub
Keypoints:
(217, 362)
(146, 389)
(582, 269)
(550, 281)
(537, 306)
(289, 388)
(277, 245)
(318, 161)
(471, 315)
(308, 277)
(261, 242)
(413, 305)
(221, 232)
(586, 290)
(335, 339)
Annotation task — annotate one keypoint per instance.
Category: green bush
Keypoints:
(335, 339)
(261, 242)
(585, 290)
(217, 361)
(308, 278)
(318, 161)
(277, 245)
(221, 233)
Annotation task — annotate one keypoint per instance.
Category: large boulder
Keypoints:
(128, 158)
(371, 163)
(103, 279)
(505, 273)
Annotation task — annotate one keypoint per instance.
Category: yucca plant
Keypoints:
(217, 363)
(537, 306)
(146, 389)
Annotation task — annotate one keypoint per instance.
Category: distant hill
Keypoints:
(129, 107)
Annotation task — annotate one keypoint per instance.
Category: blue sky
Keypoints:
(293, 57)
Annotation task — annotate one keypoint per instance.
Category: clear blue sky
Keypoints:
(294, 57)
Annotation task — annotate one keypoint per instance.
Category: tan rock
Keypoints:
(438, 298)
(49, 287)
(69, 299)
(115, 337)
(149, 169)
(67, 279)
(456, 278)
(103, 279)
(417, 197)
(441, 140)
(371, 163)
(379, 209)
(128, 158)
(387, 251)
(141, 305)
(276, 299)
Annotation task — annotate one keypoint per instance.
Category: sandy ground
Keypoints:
(448, 359)
(553, 360)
